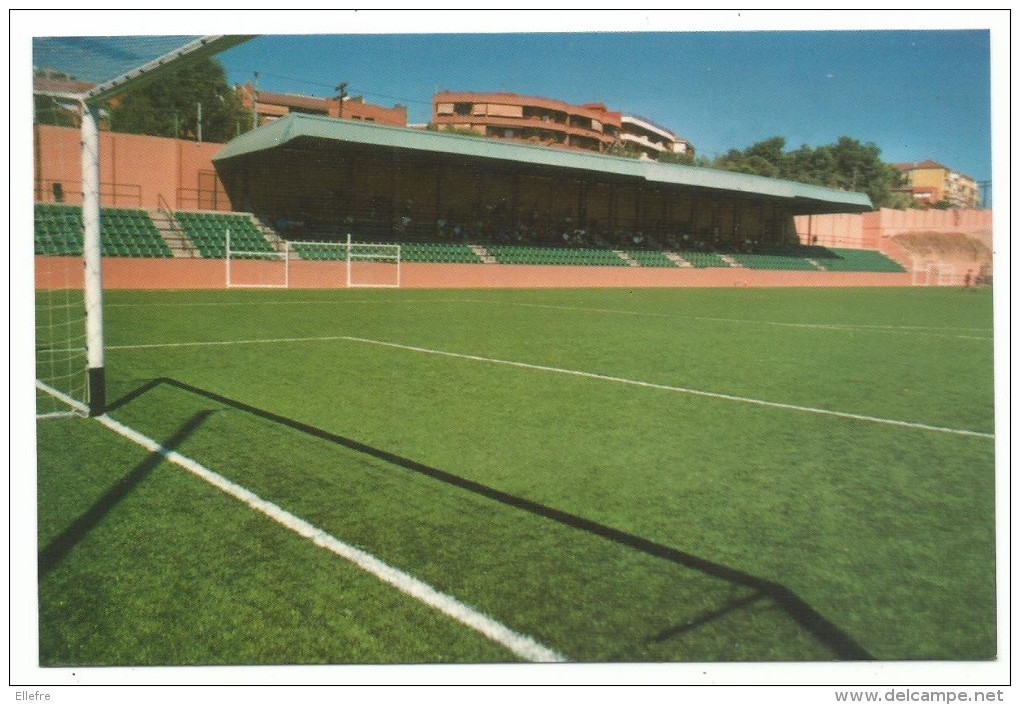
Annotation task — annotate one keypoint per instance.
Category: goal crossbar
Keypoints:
(251, 259)
(358, 258)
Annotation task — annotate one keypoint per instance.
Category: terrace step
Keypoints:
(267, 232)
(730, 261)
(674, 257)
(178, 242)
(627, 258)
(483, 254)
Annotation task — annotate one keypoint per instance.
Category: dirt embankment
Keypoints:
(971, 249)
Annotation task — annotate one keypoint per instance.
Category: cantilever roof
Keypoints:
(296, 126)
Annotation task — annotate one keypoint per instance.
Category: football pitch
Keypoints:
(402, 476)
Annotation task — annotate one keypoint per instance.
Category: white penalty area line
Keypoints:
(523, 646)
(575, 373)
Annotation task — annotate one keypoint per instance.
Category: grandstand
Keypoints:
(134, 233)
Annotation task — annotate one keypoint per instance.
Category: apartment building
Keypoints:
(272, 106)
(544, 121)
(930, 182)
(641, 134)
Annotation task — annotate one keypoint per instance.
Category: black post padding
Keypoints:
(97, 391)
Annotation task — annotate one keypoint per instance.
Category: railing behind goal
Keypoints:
(263, 268)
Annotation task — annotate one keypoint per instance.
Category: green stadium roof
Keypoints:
(296, 126)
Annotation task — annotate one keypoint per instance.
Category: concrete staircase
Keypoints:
(674, 257)
(730, 261)
(271, 235)
(173, 235)
(631, 262)
(483, 254)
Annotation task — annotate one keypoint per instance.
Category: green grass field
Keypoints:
(621, 514)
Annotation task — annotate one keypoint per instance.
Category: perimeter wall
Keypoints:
(137, 170)
(872, 230)
(137, 273)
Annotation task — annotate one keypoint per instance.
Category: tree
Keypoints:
(168, 106)
(50, 111)
(677, 158)
(848, 165)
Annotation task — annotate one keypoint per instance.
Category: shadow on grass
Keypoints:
(62, 544)
(832, 637)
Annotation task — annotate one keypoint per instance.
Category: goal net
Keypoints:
(257, 268)
(61, 369)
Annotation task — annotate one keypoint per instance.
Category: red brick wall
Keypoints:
(874, 230)
(135, 170)
(132, 273)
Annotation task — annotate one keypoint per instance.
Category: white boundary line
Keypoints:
(523, 646)
(946, 331)
(575, 373)
(932, 330)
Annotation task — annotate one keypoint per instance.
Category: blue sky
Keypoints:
(917, 94)
(916, 83)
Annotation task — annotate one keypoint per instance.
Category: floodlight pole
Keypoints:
(93, 260)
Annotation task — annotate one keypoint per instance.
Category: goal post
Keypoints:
(263, 269)
(933, 273)
(371, 265)
(351, 264)
(70, 375)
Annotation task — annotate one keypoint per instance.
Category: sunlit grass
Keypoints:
(607, 520)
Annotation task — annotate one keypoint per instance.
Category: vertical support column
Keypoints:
(439, 215)
(611, 211)
(582, 203)
(515, 197)
(93, 261)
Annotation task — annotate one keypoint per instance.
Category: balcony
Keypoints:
(525, 123)
(644, 142)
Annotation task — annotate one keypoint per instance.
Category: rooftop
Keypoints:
(294, 127)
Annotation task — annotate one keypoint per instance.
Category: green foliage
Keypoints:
(168, 106)
(674, 158)
(48, 111)
(902, 201)
(450, 130)
(848, 165)
(623, 149)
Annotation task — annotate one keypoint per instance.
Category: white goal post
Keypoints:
(356, 264)
(264, 269)
(364, 265)
(933, 273)
(372, 265)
